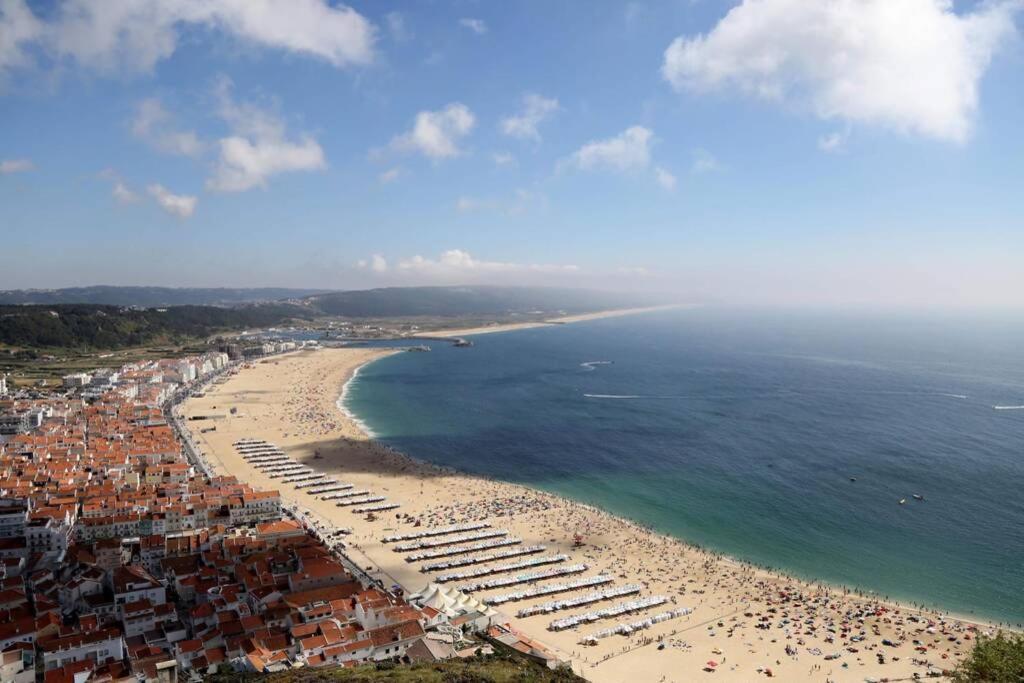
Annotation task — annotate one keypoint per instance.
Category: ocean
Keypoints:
(743, 432)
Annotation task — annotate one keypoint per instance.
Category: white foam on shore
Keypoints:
(1007, 407)
(343, 406)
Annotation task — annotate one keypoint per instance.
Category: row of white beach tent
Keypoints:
(345, 494)
(276, 465)
(549, 589)
(452, 540)
(316, 480)
(448, 551)
(380, 507)
(523, 578)
(436, 531)
(501, 568)
(315, 477)
(571, 603)
(328, 488)
(281, 466)
(626, 629)
(360, 501)
(608, 612)
(479, 559)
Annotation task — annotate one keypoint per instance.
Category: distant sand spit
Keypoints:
(508, 327)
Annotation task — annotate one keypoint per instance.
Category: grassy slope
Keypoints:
(494, 669)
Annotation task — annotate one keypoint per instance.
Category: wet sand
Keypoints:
(744, 618)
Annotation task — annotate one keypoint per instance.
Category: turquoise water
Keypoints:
(741, 431)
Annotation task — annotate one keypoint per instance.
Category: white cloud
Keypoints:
(704, 162)
(477, 26)
(19, 28)
(665, 178)
(123, 194)
(377, 264)
(397, 27)
(390, 175)
(627, 151)
(833, 142)
(436, 134)
(910, 65)
(459, 262)
(520, 201)
(258, 147)
(524, 125)
(15, 166)
(503, 159)
(467, 204)
(634, 271)
(119, 189)
(152, 123)
(134, 35)
(180, 205)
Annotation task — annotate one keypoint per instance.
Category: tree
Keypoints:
(998, 659)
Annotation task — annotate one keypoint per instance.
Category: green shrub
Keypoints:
(999, 659)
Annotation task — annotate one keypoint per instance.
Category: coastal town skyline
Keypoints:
(772, 152)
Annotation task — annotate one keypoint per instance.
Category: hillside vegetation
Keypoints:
(494, 669)
(110, 327)
(137, 322)
(469, 301)
(148, 297)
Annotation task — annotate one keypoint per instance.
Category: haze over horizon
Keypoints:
(828, 153)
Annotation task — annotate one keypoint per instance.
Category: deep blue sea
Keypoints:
(741, 431)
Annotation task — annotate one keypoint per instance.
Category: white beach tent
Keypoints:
(453, 604)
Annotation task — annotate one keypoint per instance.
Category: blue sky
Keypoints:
(841, 152)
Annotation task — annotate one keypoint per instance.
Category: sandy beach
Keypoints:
(745, 620)
(507, 327)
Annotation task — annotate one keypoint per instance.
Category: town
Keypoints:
(123, 557)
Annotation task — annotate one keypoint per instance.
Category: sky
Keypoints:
(809, 152)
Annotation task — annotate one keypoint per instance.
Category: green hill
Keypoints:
(149, 297)
(492, 669)
(470, 301)
(111, 327)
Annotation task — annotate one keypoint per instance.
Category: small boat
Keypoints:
(853, 478)
(903, 501)
(918, 496)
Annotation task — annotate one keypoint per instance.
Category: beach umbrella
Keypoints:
(712, 663)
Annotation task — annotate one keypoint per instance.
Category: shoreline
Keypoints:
(861, 592)
(348, 414)
(720, 588)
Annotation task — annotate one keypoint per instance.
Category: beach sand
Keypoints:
(744, 618)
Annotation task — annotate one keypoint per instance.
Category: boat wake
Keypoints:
(1007, 407)
(960, 396)
(592, 364)
(615, 396)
